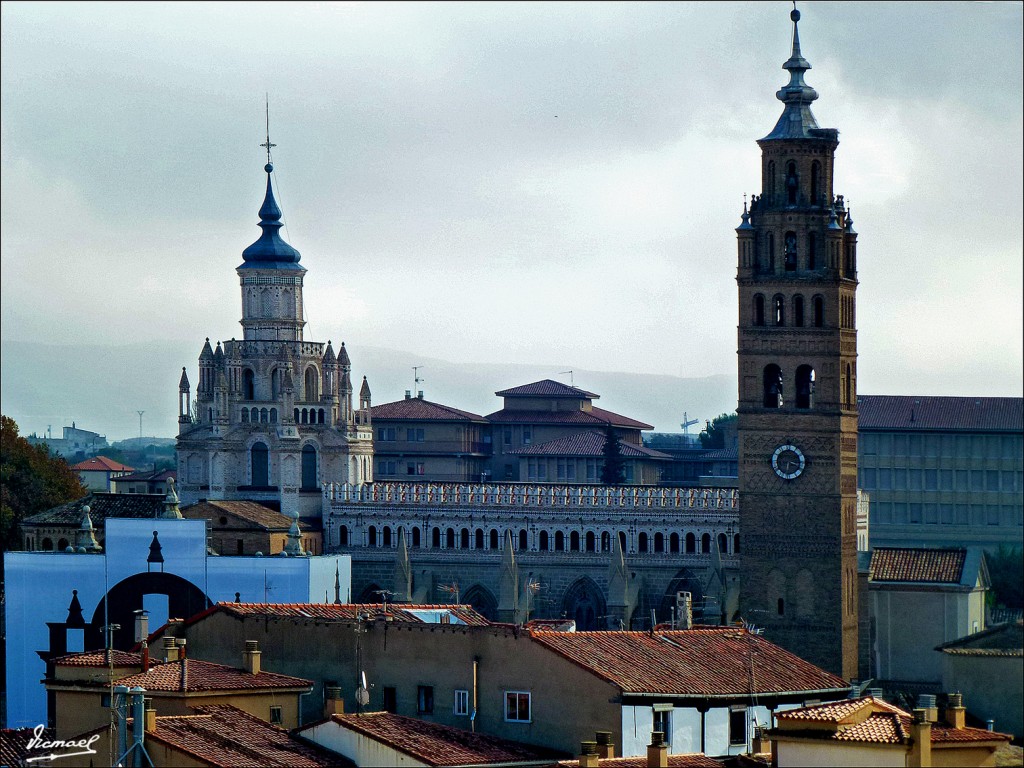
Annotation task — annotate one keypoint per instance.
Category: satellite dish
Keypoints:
(363, 691)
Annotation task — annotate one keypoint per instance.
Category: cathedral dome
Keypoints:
(270, 251)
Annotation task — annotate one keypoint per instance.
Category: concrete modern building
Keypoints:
(943, 471)
(273, 417)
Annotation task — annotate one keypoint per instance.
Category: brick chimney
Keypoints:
(333, 703)
(657, 751)
(605, 745)
(181, 642)
(588, 755)
(920, 740)
(956, 714)
(251, 657)
(170, 649)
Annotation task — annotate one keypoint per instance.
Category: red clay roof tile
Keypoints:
(693, 662)
(414, 408)
(547, 388)
(938, 566)
(101, 464)
(207, 676)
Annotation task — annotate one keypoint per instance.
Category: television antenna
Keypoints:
(687, 423)
(140, 425)
(452, 590)
(571, 383)
(416, 380)
(363, 691)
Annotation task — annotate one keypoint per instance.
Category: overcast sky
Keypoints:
(507, 183)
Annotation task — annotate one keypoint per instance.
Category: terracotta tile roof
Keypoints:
(101, 464)
(102, 506)
(586, 444)
(935, 566)
(871, 720)
(99, 659)
(436, 744)
(691, 760)
(14, 746)
(207, 676)
(404, 612)
(1000, 640)
(415, 408)
(252, 512)
(547, 388)
(695, 662)
(228, 737)
(594, 417)
(989, 414)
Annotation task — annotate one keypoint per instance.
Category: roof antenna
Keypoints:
(571, 382)
(268, 145)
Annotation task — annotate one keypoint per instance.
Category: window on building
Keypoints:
(543, 541)
(798, 311)
(371, 536)
(662, 722)
(574, 541)
(493, 539)
(659, 542)
(424, 699)
(772, 386)
(641, 542)
(260, 460)
(435, 538)
(309, 468)
(415, 536)
(507, 435)
(248, 385)
(386, 434)
(559, 541)
(449, 539)
(416, 435)
(804, 386)
(275, 715)
(517, 707)
(819, 312)
(523, 541)
(390, 703)
(527, 435)
(778, 310)
(461, 708)
(705, 544)
(691, 544)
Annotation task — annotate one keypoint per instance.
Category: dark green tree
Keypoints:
(714, 435)
(1005, 567)
(613, 471)
(31, 480)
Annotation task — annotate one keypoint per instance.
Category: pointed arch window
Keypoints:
(772, 386)
(804, 386)
(759, 309)
(248, 384)
(798, 311)
(259, 460)
(311, 390)
(309, 482)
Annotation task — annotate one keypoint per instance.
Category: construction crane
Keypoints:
(687, 423)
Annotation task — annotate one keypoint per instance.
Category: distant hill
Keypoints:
(103, 388)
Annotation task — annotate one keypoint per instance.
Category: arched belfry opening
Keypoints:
(772, 386)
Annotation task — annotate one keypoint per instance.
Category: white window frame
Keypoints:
(461, 706)
(529, 706)
(733, 710)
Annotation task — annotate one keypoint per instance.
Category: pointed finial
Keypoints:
(268, 146)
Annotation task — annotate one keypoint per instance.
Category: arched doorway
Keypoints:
(584, 602)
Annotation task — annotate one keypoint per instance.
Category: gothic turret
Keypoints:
(184, 402)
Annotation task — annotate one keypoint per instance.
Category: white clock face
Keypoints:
(788, 462)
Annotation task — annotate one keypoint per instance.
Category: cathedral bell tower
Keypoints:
(797, 410)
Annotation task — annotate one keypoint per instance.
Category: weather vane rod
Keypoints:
(268, 145)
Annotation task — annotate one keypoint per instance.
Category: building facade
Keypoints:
(273, 418)
(943, 471)
(797, 411)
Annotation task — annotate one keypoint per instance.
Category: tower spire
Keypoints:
(270, 146)
(796, 121)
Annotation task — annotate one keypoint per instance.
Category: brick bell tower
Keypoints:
(797, 408)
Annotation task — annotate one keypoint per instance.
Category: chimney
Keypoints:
(956, 714)
(150, 716)
(920, 740)
(145, 655)
(419, 395)
(926, 701)
(170, 649)
(605, 745)
(251, 658)
(657, 751)
(588, 754)
(181, 642)
(333, 703)
(684, 610)
(408, 394)
(141, 625)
